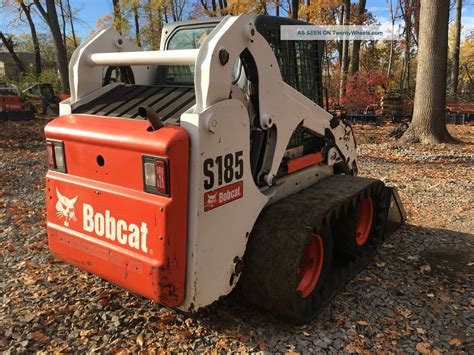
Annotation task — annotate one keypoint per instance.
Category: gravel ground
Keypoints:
(417, 295)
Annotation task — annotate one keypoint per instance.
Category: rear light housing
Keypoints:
(56, 157)
(156, 175)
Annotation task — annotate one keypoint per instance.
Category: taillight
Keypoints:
(56, 160)
(156, 175)
(51, 160)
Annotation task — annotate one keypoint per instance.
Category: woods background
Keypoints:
(355, 73)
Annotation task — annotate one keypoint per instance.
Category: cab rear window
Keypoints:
(189, 38)
(186, 38)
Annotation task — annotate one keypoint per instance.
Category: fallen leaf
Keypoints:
(444, 297)
(245, 338)
(262, 346)
(404, 312)
(455, 342)
(85, 333)
(380, 264)
(431, 295)
(424, 269)
(38, 336)
(363, 322)
(423, 348)
(29, 282)
(167, 319)
(140, 340)
(306, 334)
(420, 331)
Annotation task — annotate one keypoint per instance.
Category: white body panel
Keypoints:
(218, 236)
(218, 126)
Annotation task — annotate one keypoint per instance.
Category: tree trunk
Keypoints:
(356, 45)
(295, 5)
(34, 37)
(222, 8)
(51, 17)
(277, 8)
(393, 16)
(406, 12)
(71, 23)
(416, 18)
(63, 19)
(428, 124)
(8, 42)
(457, 43)
(137, 24)
(345, 51)
(214, 7)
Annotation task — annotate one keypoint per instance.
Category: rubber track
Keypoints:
(276, 241)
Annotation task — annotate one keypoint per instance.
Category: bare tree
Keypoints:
(8, 42)
(180, 5)
(50, 16)
(63, 20)
(277, 8)
(345, 51)
(416, 19)
(457, 44)
(222, 7)
(214, 7)
(406, 10)
(428, 124)
(393, 17)
(71, 23)
(26, 9)
(206, 8)
(356, 45)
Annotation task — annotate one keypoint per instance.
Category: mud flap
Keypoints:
(396, 214)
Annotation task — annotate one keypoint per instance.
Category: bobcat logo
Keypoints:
(211, 199)
(65, 208)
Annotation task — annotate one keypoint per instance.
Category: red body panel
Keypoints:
(99, 217)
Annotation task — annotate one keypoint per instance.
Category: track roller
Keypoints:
(354, 232)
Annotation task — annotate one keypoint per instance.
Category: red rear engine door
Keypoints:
(101, 219)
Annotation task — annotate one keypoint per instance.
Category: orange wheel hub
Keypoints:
(312, 266)
(364, 221)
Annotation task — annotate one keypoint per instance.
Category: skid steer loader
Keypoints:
(210, 164)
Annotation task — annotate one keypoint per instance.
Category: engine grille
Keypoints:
(124, 100)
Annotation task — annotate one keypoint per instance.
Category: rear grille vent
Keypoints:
(123, 101)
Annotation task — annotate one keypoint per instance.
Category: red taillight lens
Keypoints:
(51, 160)
(161, 177)
(156, 175)
(56, 158)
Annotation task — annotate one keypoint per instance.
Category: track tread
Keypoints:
(275, 246)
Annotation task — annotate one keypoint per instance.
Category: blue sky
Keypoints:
(90, 10)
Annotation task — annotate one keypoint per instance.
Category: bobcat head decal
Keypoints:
(211, 199)
(65, 208)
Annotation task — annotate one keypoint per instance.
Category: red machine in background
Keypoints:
(11, 105)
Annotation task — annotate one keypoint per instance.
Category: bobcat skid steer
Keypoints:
(210, 164)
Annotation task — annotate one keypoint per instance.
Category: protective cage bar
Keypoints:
(170, 57)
